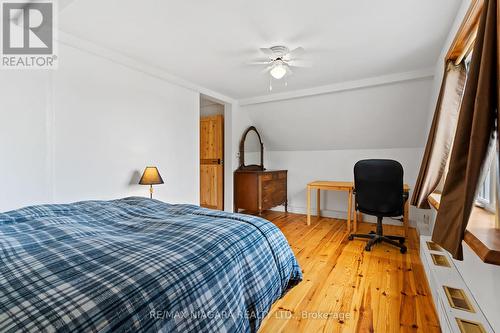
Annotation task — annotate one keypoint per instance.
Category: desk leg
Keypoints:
(355, 227)
(360, 219)
(308, 205)
(318, 203)
(406, 216)
(349, 207)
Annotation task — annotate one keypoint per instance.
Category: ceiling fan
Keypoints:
(280, 60)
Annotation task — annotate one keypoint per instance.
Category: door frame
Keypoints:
(228, 150)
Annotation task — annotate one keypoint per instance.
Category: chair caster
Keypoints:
(368, 248)
(403, 250)
(351, 237)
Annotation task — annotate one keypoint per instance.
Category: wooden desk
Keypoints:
(349, 188)
(329, 186)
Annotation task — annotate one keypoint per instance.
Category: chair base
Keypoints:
(374, 238)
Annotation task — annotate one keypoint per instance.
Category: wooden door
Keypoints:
(211, 162)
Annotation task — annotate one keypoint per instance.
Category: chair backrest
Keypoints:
(379, 187)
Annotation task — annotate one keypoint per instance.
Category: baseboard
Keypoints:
(337, 214)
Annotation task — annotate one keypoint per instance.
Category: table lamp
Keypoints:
(151, 177)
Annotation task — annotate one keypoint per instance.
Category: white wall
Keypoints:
(24, 168)
(87, 130)
(112, 121)
(306, 166)
(321, 137)
(241, 121)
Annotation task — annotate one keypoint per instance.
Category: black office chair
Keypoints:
(378, 191)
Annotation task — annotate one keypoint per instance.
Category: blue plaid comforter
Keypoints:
(138, 264)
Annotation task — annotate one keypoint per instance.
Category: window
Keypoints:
(485, 196)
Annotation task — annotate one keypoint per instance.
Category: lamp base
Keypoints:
(151, 191)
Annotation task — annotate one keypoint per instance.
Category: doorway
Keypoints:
(211, 153)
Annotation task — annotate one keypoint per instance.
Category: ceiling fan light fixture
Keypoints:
(278, 71)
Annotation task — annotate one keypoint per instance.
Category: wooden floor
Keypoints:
(346, 289)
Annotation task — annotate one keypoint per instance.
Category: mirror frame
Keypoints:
(242, 152)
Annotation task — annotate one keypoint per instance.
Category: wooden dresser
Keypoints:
(258, 190)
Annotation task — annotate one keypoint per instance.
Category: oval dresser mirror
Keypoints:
(251, 150)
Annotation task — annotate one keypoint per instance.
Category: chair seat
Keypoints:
(381, 213)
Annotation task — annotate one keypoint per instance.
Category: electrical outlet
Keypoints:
(426, 219)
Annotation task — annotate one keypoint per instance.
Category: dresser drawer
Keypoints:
(273, 199)
(279, 175)
(273, 176)
(273, 185)
(266, 177)
(273, 193)
(256, 191)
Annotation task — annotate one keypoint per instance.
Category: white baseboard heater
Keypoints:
(457, 309)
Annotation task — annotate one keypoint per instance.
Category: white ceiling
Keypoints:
(210, 42)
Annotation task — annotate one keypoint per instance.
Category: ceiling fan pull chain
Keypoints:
(270, 84)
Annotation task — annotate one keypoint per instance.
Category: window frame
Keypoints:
(490, 181)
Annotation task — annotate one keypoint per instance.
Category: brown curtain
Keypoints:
(474, 129)
(441, 135)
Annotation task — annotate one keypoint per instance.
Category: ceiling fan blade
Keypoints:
(288, 71)
(299, 63)
(267, 51)
(263, 62)
(267, 69)
(296, 51)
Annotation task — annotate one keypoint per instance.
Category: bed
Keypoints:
(137, 264)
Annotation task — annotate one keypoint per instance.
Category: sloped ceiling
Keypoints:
(387, 116)
(210, 42)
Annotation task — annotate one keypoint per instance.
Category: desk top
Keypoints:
(325, 184)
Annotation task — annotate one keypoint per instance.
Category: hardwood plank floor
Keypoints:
(346, 289)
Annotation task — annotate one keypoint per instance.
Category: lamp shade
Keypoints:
(151, 176)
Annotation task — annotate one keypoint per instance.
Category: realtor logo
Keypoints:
(28, 34)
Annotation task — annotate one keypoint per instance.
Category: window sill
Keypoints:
(481, 234)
